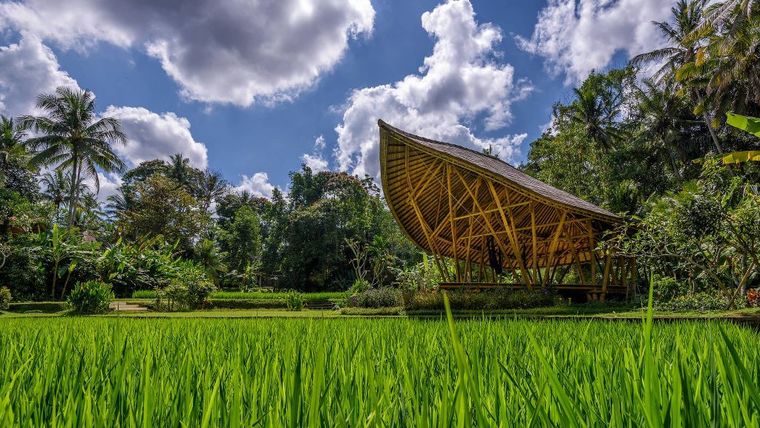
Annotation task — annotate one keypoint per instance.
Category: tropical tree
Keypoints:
(211, 187)
(682, 50)
(74, 139)
(11, 138)
(596, 108)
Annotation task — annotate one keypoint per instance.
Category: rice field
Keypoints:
(375, 372)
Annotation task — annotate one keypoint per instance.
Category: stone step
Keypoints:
(126, 307)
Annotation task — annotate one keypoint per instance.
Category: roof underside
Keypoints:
(449, 200)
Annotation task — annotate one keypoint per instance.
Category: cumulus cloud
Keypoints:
(223, 51)
(460, 82)
(576, 37)
(257, 185)
(28, 68)
(156, 136)
(316, 160)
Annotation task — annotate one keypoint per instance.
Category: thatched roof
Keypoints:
(442, 195)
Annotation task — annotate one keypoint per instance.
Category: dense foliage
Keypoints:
(649, 146)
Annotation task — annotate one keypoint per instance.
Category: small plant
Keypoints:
(5, 298)
(91, 297)
(294, 300)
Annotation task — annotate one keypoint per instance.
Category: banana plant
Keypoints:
(747, 124)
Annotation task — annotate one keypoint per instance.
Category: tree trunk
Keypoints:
(72, 190)
(712, 132)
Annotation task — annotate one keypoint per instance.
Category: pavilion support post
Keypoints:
(452, 224)
(578, 266)
(592, 252)
(606, 277)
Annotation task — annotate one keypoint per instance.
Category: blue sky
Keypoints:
(171, 99)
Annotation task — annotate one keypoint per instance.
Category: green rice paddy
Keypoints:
(375, 372)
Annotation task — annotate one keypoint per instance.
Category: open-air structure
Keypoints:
(490, 219)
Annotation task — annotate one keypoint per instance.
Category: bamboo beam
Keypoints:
(553, 246)
(512, 239)
(606, 277)
(479, 208)
(433, 248)
(452, 225)
(592, 251)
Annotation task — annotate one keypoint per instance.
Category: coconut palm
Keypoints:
(56, 184)
(211, 187)
(11, 137)
(597, 108)
(180, 170)
(73, 138)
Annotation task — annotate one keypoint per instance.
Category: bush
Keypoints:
(5, 298)
(360, 286)
(38, 307)
(294, 300)
(701, 301)
(91, 297)
(385, 297)
(666, 288)
(481, 300)
(187, 291)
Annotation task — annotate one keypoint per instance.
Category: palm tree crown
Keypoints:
(73, 138)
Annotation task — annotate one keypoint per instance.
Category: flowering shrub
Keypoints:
(753, 297)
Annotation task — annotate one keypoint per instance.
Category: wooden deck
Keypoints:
(591, 292)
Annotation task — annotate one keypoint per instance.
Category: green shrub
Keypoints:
(91, 297)
(5, 298)
(385, 297)
(481, 300)
(294, 301)
(666, 288)
(702, 301)
(360, 285)
(188, 290)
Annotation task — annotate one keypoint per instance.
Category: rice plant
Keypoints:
(369, 372)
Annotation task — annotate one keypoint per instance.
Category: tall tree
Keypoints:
(74, 139)
(682, 50)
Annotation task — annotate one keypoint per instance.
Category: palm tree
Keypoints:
(211, 187)
(596, 108)
(180, 170)
(682, 50)
(733, 53)
(11, 136)
(56, 183)
(663, 118)
(73, 138)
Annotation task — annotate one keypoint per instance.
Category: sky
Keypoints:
(255, 88)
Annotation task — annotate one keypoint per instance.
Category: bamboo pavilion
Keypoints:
(490, 219)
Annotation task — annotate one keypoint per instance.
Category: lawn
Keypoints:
(105, 371)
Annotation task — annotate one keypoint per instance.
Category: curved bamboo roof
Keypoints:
(449, 199)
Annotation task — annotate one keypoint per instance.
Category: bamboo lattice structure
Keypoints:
(488, 217)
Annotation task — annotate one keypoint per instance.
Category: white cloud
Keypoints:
(460, 81)
(578, 36)
(225, 51)
(316, 160)
(28, 68)
(156, 136)
(503, 148)
(257, 185)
